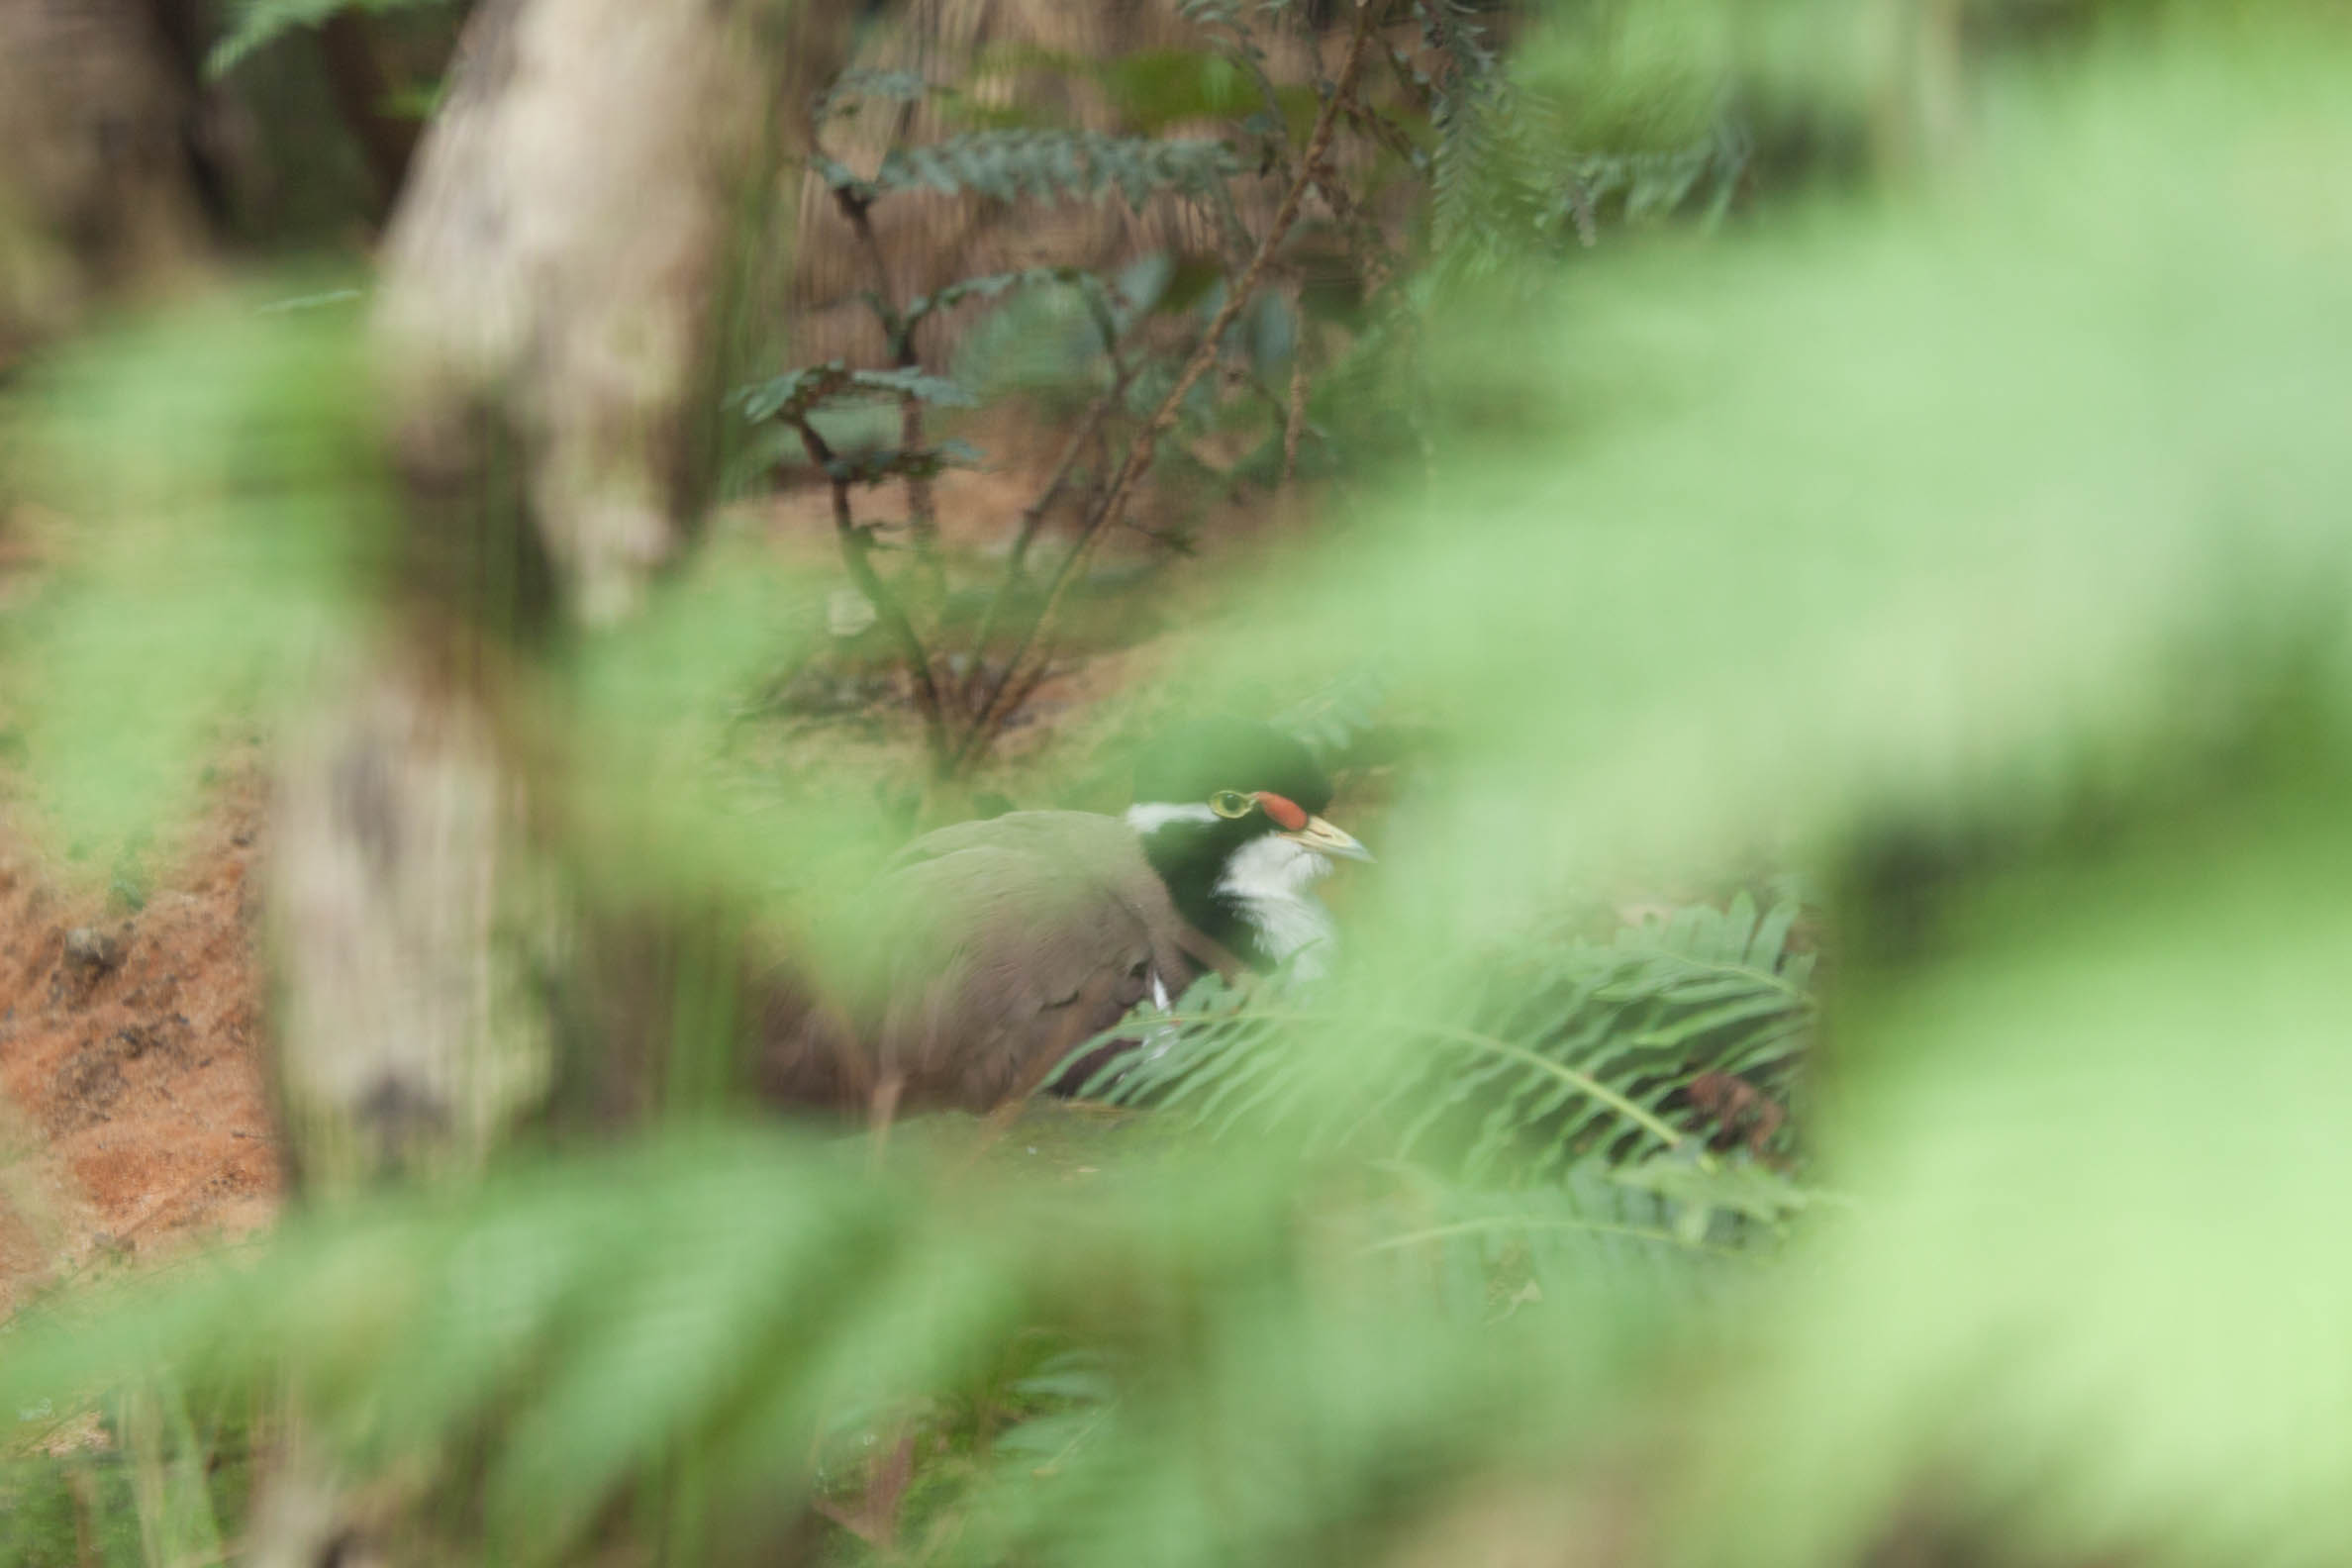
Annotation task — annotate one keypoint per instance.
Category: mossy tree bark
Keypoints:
(552, 281)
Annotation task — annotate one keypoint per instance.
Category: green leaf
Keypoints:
(939, 391)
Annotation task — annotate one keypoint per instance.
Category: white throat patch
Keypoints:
(1269, 878)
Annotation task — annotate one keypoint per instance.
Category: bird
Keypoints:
(992, 950)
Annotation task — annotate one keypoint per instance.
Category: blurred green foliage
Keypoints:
(225, 503)
(1975, 540)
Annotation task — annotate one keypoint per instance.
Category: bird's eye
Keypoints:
(1232, 802)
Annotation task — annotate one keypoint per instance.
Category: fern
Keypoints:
(1471, 113)
(1678, 1229)
(254, 24)
(1563, 1052)
(1502, 172)
(1652, 184)
(1052, 166)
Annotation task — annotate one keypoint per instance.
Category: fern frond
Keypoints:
(1651, 184)
(1056, 165)
(254, 24)
(1561, 1054)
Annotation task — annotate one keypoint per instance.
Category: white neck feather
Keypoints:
(1269, 878)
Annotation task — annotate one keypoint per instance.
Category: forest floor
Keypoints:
(136, 1119)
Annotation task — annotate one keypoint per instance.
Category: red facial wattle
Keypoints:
(1284, 811)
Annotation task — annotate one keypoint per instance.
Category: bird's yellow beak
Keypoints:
(1326, 840)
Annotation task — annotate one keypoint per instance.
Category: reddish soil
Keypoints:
(135, 1114)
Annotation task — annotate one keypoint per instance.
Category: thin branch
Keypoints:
(1409, 78)
(857, 208)
(1295, 424)
(923, 515)
(857, 557)
(1036, 677)
(1282, 405)
(1033, 517)
(921, 512)
(1383, 129)
(1090, 428)
(1176, 539)
(1371, 250)
(1163, 418)
(1244, 54)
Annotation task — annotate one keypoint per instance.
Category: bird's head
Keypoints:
(1230, 813)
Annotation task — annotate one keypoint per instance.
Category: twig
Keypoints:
(922, 517)
(1146, 445)
(1030, 684)
(1295, 425)
(1243, 52)
(1282, 405)
(857, 555)
(1380, 127)
(1371, 250)
(1033, 517)
(1423, 98)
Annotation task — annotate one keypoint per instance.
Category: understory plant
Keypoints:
(1326, 196)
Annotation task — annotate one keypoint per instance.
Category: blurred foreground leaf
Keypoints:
(218, 493)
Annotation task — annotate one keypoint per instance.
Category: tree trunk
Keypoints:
(551, 283)
(98, 194)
